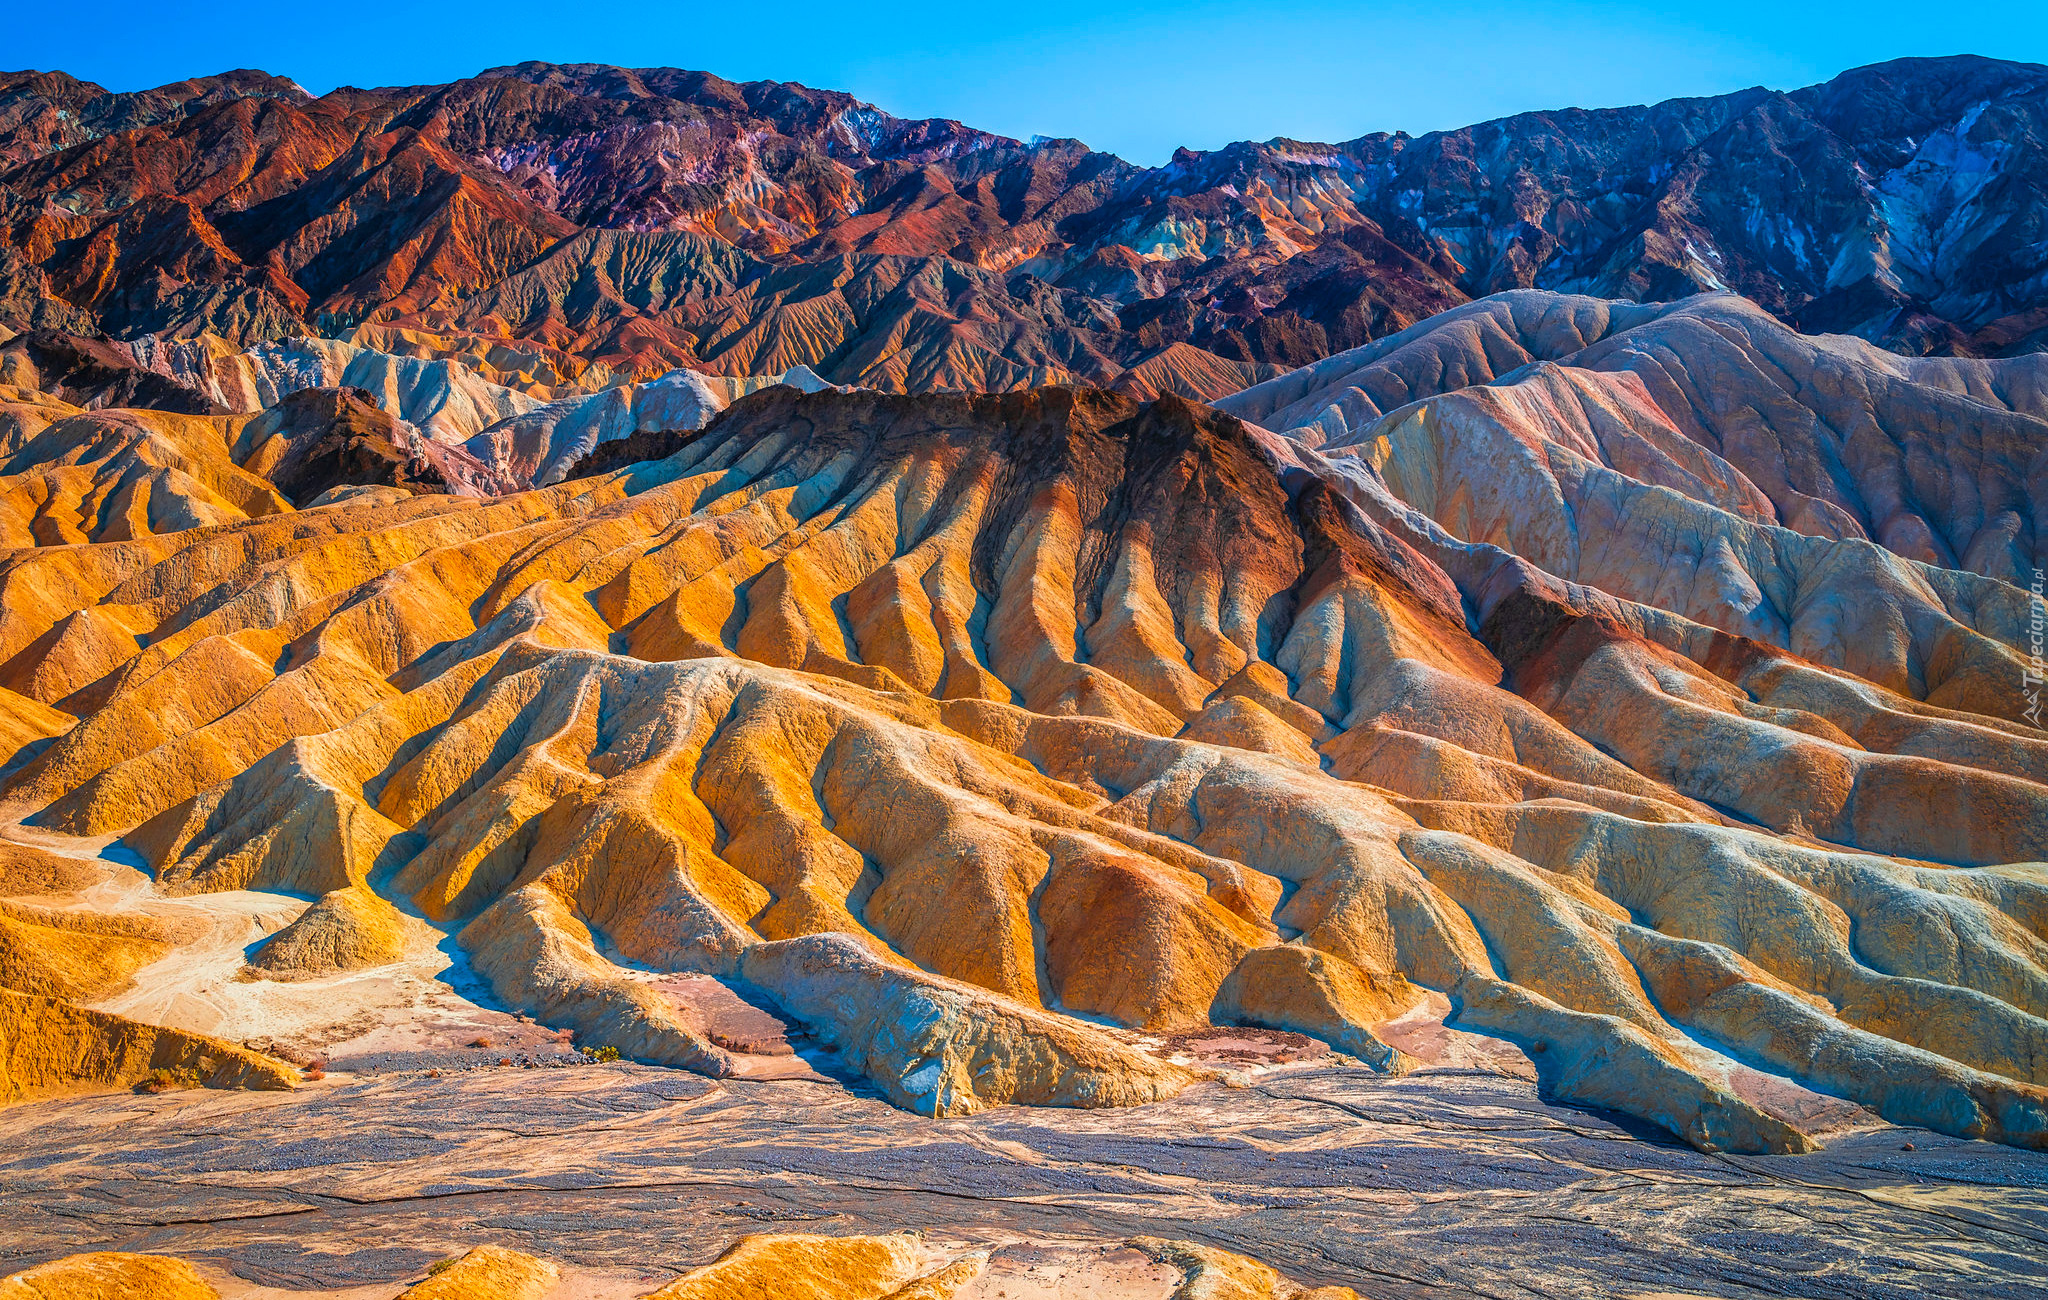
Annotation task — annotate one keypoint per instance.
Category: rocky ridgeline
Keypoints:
(578, 224)
(1632, 696)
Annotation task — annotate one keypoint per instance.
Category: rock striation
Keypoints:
(49, 1046)
(1003, 741)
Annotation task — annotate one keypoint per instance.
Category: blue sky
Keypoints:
(1137, 79)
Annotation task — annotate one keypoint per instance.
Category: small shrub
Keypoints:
(440, 1267)
(479, 1042)
(602, 1055)
(162, 1079)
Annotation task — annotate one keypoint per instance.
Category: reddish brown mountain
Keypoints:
(657, 217)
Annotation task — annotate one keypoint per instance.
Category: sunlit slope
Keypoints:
(982, 732)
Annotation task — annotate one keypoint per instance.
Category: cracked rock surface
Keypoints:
(1435, 1183)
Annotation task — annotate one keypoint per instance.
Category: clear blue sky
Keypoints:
(1136, 79)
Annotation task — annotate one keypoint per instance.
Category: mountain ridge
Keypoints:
(806, 227)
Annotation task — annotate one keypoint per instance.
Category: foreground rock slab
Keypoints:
(627, 1177)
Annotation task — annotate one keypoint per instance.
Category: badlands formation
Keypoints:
(1553, 747)
(990, 737)
(1631, 698)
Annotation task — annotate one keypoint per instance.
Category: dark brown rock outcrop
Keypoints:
(318, 439)
(93, 373)
(652, 218)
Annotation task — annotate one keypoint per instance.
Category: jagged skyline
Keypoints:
(1134, 79)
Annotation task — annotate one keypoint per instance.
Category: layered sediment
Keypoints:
(997, 740)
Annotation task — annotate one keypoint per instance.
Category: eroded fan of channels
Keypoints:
(989, 735)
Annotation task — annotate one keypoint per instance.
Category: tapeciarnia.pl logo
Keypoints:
(2036, 670)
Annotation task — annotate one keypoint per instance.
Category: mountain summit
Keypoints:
(651, 218)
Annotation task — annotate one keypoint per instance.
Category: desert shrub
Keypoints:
(164, 1079)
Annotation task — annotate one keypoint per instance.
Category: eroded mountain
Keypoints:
(1508, 714)
(640, 220)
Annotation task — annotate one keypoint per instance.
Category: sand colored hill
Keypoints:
(75, 955)
(27, 871)
(95, 373)
(49, 1046)
(998, 740)
(1710, 397)
(549, 443)
(1190, 372)
(489, 1273)
(771, 1266)
(441, 396)
(109, 1276)
(331, 413)
(117, 475)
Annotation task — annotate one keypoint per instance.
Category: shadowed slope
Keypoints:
(988, 734)
(581, 223)
(1934, 459)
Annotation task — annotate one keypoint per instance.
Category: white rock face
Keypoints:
(1711, 397)
(1930, 205)
(445, 399)
(540, 446)
(492, 438)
